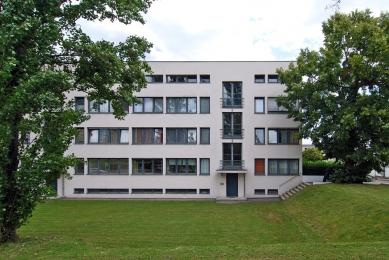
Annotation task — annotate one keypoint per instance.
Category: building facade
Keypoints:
(205, 130)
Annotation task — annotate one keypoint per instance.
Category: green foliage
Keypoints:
(312, 155)
(321, 222)
(318, 168)
(343, 92)
(45, 54)
(343, 176)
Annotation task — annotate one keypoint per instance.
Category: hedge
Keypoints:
(318, 168)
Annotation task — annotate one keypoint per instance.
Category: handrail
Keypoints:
(289, 180)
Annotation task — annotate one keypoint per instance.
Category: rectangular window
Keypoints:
(204, 105)
(272, 106)
(272, 192)
(232, 94)
(259, 78)
(108, 191)
(204, 191)
(259, 105)
(181, 191)
(259, 192)
(154, 78)
(259, 166)
(283, 167)
(259, 136)
(232, 125)
(181, 166)
(181, 105)
(79, 139)
(108, 136)
(204, 166)
(79, 169)
(283, 136)
(80, 103)
(147, 135)
(232, 156)
(147, 166)
(205, 78)
(181, 136)
(108, 166)
(146, 191)
(78, 191)
(181, 78)
(205, 135)
(273, 79)
(149, 105)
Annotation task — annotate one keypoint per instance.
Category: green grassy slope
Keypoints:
(321, 222)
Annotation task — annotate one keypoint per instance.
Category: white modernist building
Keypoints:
(205, 130)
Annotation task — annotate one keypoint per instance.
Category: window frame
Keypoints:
(153, 77)
(255, 136)
(80, 139)
(78, 168)
(176, 107)
(232, 128)
(187, 78)
(101, 129)
(143, 129)
(76, 106)
(259, 77)
(208, 109)
(272, 77)
(205, 77)
(201, 135)
(143, 106)
(280, 109)
(98, 169)
(153, 166)
(176, 165)
(288, 133)
(232, 93)
(278, 161)
(255, 105)
(177, 135)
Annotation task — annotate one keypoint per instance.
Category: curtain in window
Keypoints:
(293, 166)
(283, 136)
(191, 165)
(148, 105)
(273, 167)
(124, 136)
(170, 136)
(147, 135)
(192, 139)
(93, 136)
(181, 136)
(181, 105)
(138, 108)
(271, 104)
(204, 105)
(205, 133)
(272, 136)
(259, 105)
(123, 166)
(293, 136)
(104, 108)
(137, 165)
(114, 135)
(204, 166)
(192, 105)
(171, 105)
(259, 166)
(283, 166)
(158, 136)
(114, 166)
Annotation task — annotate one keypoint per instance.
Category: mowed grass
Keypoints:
(321, 222)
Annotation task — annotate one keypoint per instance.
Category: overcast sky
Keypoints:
(230, 30)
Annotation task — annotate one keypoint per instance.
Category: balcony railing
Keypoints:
(228, 133)
(231, 165)
(231, 102)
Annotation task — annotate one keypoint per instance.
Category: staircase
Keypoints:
(295, 190)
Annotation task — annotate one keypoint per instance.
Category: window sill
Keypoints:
(284, 174)
(108, 143)
(146, 174)
(181, 174)
(108, 174)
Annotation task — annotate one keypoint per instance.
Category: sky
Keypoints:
(230, 30)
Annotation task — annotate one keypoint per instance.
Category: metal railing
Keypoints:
(231, 102)
(231, 133)
(231, 165)
(289, 180)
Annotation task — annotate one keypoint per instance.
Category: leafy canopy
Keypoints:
(343, 92)
(44, 55)
(312, 155)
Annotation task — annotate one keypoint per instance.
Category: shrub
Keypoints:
(318, 168)
(312, 154)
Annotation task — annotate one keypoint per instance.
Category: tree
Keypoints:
(44, 55)
(343, 91)
(312, 155)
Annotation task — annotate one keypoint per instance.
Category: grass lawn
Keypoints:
(321, 222)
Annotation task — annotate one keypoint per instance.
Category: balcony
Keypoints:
(231, 133)
(231, 165)
(231, 102)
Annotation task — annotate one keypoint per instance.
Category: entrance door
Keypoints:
(232, 185)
